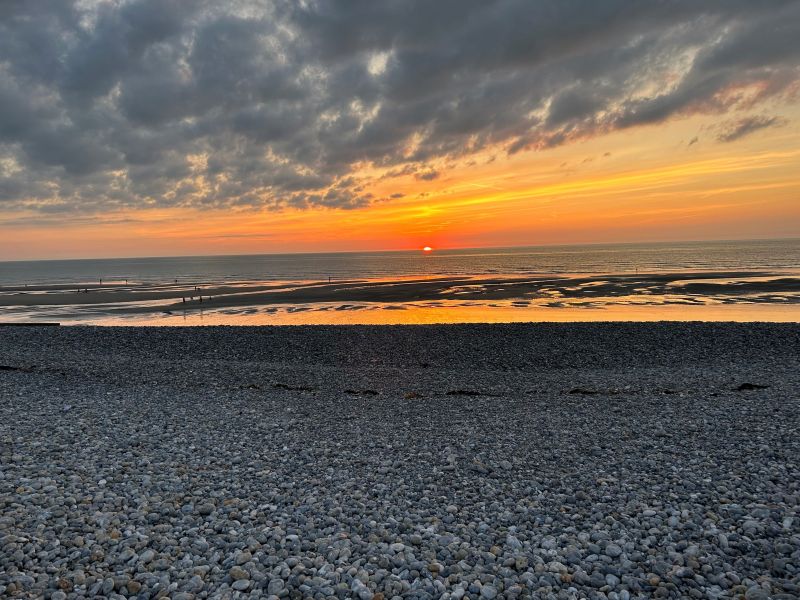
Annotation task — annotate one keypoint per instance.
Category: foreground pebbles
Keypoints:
(378, 463)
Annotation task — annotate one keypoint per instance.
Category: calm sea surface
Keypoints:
(617, 258)
(747, 281)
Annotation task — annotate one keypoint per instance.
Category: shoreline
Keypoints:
(383, 315)
(706, 295)
(601, 460)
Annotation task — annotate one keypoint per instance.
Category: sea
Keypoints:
(748, 255)
(714, 280)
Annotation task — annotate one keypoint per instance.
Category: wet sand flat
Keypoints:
(609, 291)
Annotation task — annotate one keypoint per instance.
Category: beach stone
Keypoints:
(195, 584)
(108, 586)
(756, 593)
(206, 509)
(548, 543)
(309, 491)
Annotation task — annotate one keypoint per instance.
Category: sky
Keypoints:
(179, 127)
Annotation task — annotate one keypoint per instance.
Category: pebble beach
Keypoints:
(560, 461)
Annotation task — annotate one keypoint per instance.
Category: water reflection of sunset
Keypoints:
(429, 315)
(759, 295)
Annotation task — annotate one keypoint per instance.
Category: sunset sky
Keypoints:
(163, 127)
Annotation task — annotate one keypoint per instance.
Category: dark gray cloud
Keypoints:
(739, 128)
(429, 175)
(266, 104)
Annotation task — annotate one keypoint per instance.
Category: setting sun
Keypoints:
(427, 249)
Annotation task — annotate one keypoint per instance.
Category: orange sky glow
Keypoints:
(148, 128)
(643, 184)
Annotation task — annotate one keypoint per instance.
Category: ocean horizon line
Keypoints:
(437, 250)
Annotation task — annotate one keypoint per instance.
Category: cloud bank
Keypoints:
(156, 103)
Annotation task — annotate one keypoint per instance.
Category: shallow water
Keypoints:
(607, 258)
(742, 281)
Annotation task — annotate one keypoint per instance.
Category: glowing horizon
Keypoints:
(715, 194)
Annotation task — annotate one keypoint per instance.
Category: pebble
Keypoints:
(213, 488)
(489, 592)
